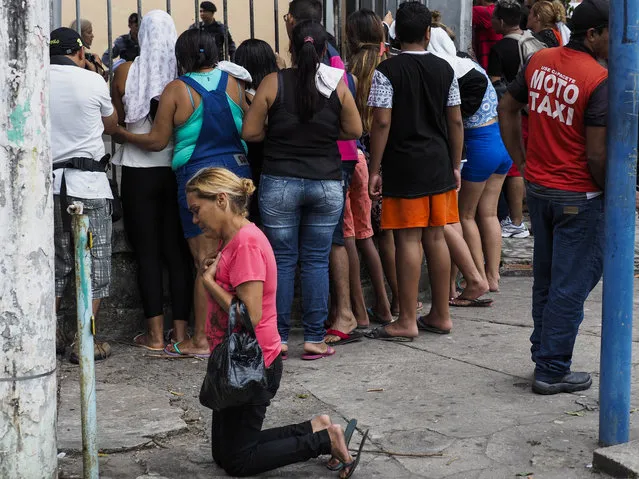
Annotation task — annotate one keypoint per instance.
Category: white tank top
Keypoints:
(134, 157)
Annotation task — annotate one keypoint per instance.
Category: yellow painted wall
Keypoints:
(183, 11)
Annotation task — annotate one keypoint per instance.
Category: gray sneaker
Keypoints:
(569, 383)
(510, 230)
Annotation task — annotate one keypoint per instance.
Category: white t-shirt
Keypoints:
(78, 100)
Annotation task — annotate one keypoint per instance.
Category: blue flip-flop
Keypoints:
(348, 435)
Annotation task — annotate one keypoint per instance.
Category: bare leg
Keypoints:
(376, 273)
(386, 243)
(154, 337)
(409, 256)
(344, 320)
(201, 248)
(438, 258)
(490, 229)
(461, 256)
(469, 196)
(357, 295)
(515, 191)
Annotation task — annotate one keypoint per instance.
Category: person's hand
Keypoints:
(388, 19)
(457, 175)
(208, 268)
(375, 186)
(90, 66)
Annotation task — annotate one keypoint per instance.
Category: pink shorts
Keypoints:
(357, 207)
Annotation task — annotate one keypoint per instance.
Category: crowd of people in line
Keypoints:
(236, 174)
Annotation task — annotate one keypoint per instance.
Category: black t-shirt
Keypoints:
(504, 60)
(419, 88)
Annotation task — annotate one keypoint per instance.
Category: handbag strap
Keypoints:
(244, 318)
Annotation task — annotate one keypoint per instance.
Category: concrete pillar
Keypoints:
(27, 318)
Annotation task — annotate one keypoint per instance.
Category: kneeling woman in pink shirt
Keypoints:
(244, 266)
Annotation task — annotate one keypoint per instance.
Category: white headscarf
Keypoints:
(154, 68)
(442, 46)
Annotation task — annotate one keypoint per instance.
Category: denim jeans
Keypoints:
(567, 265)
(299, 217)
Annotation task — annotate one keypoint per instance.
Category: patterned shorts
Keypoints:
(99, 213)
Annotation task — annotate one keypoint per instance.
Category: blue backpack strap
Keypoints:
(195, 85)
(224, 80)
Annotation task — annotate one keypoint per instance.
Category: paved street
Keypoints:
(456, 406)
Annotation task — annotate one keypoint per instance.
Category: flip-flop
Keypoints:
(179, 353)
(353, 465)
(381, 334)
(344, 338)
(312, 357)
(422, 326)
(460, 302)
(348, 435)
(144, 346)
(376, 318)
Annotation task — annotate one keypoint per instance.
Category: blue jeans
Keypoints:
(567, 265)
(299, 217)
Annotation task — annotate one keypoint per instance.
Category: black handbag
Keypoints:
(235, 375)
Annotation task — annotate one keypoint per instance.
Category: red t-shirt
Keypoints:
(247, 257)
(560, 84)
(484, 37)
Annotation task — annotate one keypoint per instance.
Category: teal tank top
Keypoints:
(186, 135)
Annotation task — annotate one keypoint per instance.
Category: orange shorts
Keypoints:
(424, 212)
(357, 207)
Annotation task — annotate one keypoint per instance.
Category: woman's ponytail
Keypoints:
(308, 44)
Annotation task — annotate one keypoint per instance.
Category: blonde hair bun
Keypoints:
(248, 187)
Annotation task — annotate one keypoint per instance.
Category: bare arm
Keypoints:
(510, 126)
(162, 130)
(350, 121)
(110, 123)
(250, 293)
(118, 90)
(380, 129)
(455, 134)
(596, 153)
(254, 127)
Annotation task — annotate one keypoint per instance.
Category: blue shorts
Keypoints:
(235, 163)
(486, 154)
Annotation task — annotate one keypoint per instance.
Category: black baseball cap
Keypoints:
(208, 7)
(64, 41)
(590, 14)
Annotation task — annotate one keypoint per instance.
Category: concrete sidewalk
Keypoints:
(456, 406)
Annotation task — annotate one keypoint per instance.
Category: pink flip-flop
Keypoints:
(312, 357)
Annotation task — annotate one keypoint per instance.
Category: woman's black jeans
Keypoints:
(242, 448)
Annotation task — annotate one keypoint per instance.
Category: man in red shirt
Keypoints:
(566, 92)
(484, 36)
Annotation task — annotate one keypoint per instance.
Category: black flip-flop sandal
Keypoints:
(460, 302)
(348, 435)
(381, 334)
(353, 465)
(422, 326)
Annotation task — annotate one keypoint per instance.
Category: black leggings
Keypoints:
(242, 448)
(152, 223)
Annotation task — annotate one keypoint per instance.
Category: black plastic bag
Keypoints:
(236, 374)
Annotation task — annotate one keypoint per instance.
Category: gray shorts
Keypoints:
(99, 213)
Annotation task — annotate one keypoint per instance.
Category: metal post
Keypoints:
(276, 14)
(197, 13)
(27, 298)
(226, 29)
(78, 18)
(252, 18)
(110, 39)
(56, 14)
(139, 10)
(86, 329)
(616, 330)
(338, 27)
(168, 7)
